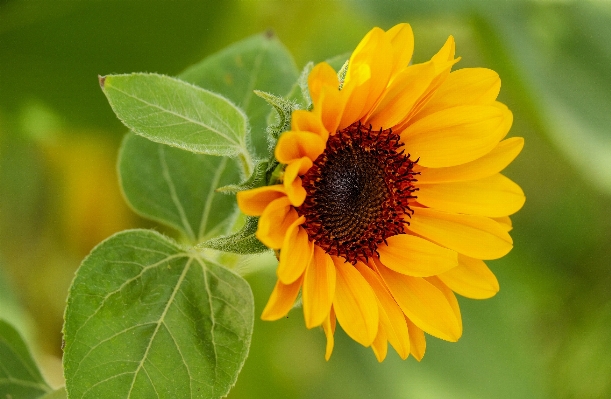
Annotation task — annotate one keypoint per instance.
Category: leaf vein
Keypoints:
(199, 123)
(160, 321)
(210, 197)
(166, 176)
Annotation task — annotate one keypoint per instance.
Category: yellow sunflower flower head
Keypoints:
(391, 197)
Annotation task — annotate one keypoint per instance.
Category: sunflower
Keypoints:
(391, 197)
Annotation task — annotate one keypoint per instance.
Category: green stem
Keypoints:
(246, 163)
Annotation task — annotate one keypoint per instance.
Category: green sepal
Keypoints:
(284, 109)
(303, 85)
(257, 179)
(243, 242)
(341, 75)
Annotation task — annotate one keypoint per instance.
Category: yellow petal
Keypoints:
(471, 279)
(415, 256)
(321, 76)
(417, 340)
(328, 103)
(399, 98)
(354, 95)
(368, 74)
(422, 303)
(275, 221)
(380, 344)
(505, 222)
(306, 121)
(446, 53)
(281, 300)
(318, 288)
(296, 145)
(455, 136)
(401, 39)
(295, 254)
(443, 62)
(492, 196)
(253, 202)
(488, 165)
(292, 182)
(468, 86)
(449, 296)
(391, 316)
(329, 328)
(355, 304)
(472, 235)
(331, 107)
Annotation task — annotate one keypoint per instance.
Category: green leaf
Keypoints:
(176, 187)
(259, 62)
(19, 374)
(242, 242)
(147, 319)
(169, 111)
(58, 394)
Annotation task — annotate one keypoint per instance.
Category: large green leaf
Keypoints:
(170, 111)
(147, 319)
(19, 375)
(259, 62)
(176, 187)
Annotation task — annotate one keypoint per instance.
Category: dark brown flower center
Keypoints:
(358, 192)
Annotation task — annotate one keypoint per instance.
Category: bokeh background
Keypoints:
(545, 335)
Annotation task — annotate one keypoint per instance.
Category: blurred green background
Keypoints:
(545, 335)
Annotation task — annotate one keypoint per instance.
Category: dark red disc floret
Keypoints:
(358, 192)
